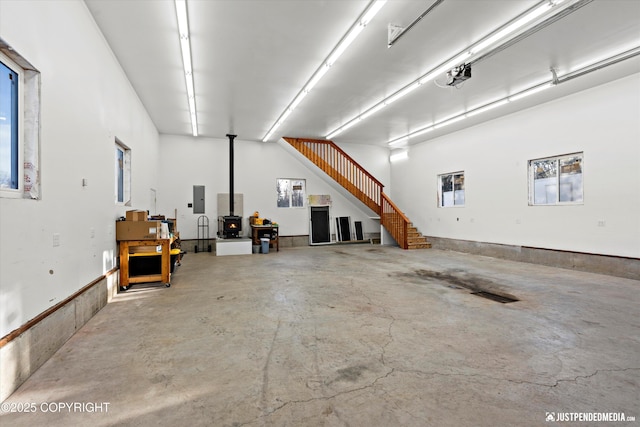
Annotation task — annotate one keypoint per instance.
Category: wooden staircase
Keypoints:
(353, 177)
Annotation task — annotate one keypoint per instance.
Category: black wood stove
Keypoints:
(231, 224)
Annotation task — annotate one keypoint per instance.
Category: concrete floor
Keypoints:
(350, 335)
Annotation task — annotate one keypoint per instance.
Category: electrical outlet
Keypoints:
(602, 223)
(92, 232)
(56, 239)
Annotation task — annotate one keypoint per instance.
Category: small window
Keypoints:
(10, 147)
(451, 190)
(19, 126)
(291, 193)
(123, 174)
(556, 180)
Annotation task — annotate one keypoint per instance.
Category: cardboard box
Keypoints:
(256, 221)
(136, 215)
(137, 230)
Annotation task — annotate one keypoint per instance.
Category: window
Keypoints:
(451, 190)
(123, 174)
(556, 180)
(291, 193)
(10, 111)
(19, 126)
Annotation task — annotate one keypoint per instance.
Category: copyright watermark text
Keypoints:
(55, 407)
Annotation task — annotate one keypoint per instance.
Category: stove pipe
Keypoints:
(231, 138)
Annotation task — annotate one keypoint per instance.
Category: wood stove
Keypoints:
(231, 224)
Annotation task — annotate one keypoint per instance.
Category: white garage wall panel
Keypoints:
(602, 122)
(189, 161)
(86, 102)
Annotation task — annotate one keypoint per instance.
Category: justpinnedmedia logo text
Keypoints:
(588, 416)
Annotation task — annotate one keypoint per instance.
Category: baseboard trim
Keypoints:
(619, 266)
(31, 323)
(27, 348)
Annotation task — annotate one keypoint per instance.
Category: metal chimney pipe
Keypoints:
(231, 138)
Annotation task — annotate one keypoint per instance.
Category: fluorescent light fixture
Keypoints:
(460, 58)
(344, 44)
(510, 28)
(399, 141)
(185, 47)
(596, 64)
(372, 11)
(343, 128)
(507, 30)
(285, 115)
(373, 8)
(298, 99)
(334, 133)
(355, 31)
(316, 77)
(484, 108)
(487, 107)
(394, 157)
(452, 120)
(402, 92)
(614, 59)
(373, 110)
(421, 131)
(530, 91)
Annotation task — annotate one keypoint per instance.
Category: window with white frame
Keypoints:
(451, 189)
(123, 174)
(19, 126)
(10, 126)
(291, 192)
(556, 180)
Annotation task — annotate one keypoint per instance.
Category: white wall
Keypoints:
(373, 158)
(86, 102)
(602, 122)
(192, 161)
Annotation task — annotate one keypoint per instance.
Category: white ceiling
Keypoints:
(252, 57)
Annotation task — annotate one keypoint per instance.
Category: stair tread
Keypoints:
(421, 246)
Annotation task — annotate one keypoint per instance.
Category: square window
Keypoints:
(291, 193)
(451, 190)
(556, 180)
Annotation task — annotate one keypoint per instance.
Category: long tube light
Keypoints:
(508, 29)
(531, 90)
(355, 30)
(185, 47)
(447, 65)
(487, 107)
(399, 155)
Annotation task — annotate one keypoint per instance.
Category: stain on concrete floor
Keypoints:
(460, 279)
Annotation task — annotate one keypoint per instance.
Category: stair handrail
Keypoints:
(341, 151)
(400, 232)
(368, 190)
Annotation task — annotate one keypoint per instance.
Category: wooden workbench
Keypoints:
(165, 271)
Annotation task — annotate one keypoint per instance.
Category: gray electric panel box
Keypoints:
(198, 199)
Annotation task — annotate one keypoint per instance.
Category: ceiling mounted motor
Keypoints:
(458, 74)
